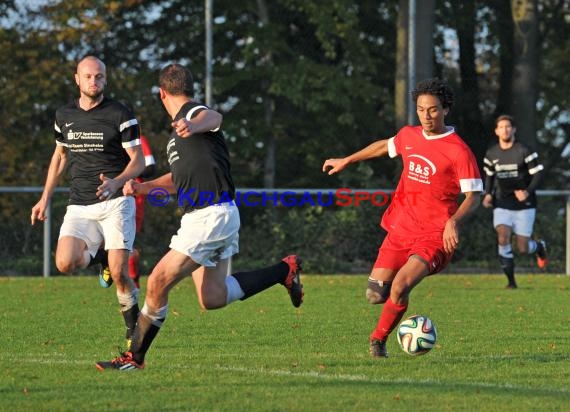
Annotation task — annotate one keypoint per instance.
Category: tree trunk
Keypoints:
(470, 120)
(525, 69)
(502, 10)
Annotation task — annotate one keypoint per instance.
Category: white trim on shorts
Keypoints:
(521, 221)
(208, 235)
(111, 221)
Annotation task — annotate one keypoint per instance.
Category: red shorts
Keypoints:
(395, 252)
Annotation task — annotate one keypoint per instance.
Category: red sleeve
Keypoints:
(396, 143)
(468, 171)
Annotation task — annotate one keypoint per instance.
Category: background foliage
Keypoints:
(297, 83)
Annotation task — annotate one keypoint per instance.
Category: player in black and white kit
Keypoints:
(98, 139)
(513, 175)
(208, 234)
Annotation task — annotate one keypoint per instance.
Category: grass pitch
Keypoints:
(497, 349)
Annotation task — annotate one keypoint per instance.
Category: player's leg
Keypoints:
(210, 236)
(134, 266)
(79, 240)
(392, 255)
(134, 256)
(541, 254)
(378, 291)
(524, 244)
(503, 220)
(379, 285)
(415, 269)
(127, 292)
(523, 221)
(506, 256)
(169, 271)
(118, 226)
(287, 273)
(105, 277)
(216, 289)
(523, 228)
(212, 288)
(178, 263)
(71, 254)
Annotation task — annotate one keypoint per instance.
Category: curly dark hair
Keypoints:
(437, 88)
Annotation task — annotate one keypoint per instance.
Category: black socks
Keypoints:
(508, 266)
(256, 281)
(100, 257)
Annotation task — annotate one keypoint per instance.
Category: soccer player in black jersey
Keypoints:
(513, 173)
(98, 139)
(208, 234)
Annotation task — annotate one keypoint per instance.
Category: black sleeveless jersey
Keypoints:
(200, 165)
(95, 140)
(517, 168)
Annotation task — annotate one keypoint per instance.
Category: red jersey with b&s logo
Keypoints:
(436, 170)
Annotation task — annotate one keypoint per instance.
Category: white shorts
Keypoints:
(208, 235)
(521, 221)
(111, 221)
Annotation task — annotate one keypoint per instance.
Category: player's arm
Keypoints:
(451, 231)
(149, 171)
(489, 169)
(56, 169)
(133, 188)
(536, 170)
(377, 149)
(488, 195)
(133, 169)
(205, 121)
(535, 181)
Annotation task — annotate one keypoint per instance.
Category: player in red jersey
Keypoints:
(423, 218)
(149, 170)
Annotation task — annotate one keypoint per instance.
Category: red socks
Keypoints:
(389, 319)
(134, 267)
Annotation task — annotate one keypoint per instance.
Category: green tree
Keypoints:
(323, 74)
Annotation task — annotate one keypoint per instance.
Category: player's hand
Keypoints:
(335, 165)
(107, 188)
(131, 188)
(450, 236)
(182, 127)
(521, 195)
(39, 212)
(487, 201)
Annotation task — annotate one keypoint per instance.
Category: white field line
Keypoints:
(318, 375)
(367, 379)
